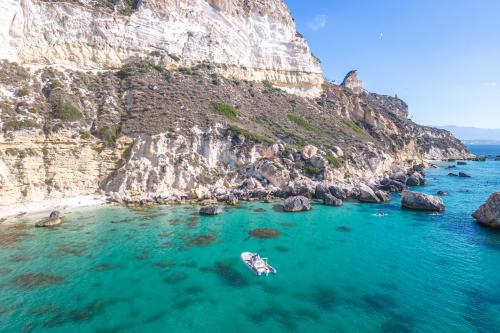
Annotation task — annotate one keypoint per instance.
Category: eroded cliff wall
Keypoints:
(252, 40)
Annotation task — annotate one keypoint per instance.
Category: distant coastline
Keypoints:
(474, 135)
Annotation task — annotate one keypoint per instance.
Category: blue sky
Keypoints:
(441, 56)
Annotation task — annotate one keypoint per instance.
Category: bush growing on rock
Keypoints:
(21, 92)
(107, 134)
(334, 161)
(225, 110)
(19, 124)
(67, 112)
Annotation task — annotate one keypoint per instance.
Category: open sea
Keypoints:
(340, 269)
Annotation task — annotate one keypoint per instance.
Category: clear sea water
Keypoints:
(340, 269)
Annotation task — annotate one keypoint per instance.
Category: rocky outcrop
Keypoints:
(53, 220)
(210, 210)
(421, 201)
(352, 82)
(297, 204)
(489, 213)
(464, 175)
(252, 40)
(366, 194)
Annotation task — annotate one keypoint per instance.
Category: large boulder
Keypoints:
(330, 200)
(338, 192)
(415, 179)
(421, 201)
(366, 194)
(297, 204)
(399, 176)
(54, 219)
(321, 190)
(309, 151)
(489, 213)
(393, 186)
(210, 210)
(383, 195)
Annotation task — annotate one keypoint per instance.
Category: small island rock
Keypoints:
(421, 201)
(489, 213)
(297, 204)
(54, 219)
(463, 174)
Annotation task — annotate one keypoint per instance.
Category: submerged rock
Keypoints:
(442, 193)
(54, 219)
(297, 204)
(489, 213)
(463, 174)
(264, 233)
(421, 201)
(210, 210)
(451, 174)
(461, 163)
(330, 200)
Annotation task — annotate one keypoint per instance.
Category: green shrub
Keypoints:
(32, 110)
(267, 84)
(108, 135)
(187, 70)
(225, 110)
(139, 66)
(354, 127)
(56, 84)
(301, 121)
(335, 161)
(85, 135)
(312, 171)
(21, 92)
(19, 124)
(251, 135)
(67, 112)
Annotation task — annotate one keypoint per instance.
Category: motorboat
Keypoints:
(257, 264)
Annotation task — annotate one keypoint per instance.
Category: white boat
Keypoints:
(257, 264)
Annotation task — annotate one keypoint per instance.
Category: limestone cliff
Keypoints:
(145, 133)
(252, 40)
(167, 100)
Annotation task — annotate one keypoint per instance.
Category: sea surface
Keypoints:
(340, 269)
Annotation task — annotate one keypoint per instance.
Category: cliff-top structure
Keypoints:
(171, 101)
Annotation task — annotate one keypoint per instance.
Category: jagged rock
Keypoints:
(383, 195)
(461, 163)
(297, 204)
(338, 192)
(399, 176)
(321, 190)
(442, 193)
(318, 162)
(210, 210)
(309, 151)
(366, 194)
(421, 201)
(352, 82)
(463, 174)
(451, 174)
(54, 219)
(489, 213)
(338, 151)
(412, 181)
(330, 200)
(232, 200)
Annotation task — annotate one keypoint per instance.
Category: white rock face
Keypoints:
(254, 40)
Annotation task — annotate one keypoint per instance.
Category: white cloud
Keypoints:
(318, 23)
(490, 84)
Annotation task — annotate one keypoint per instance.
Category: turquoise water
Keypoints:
(340, 269)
